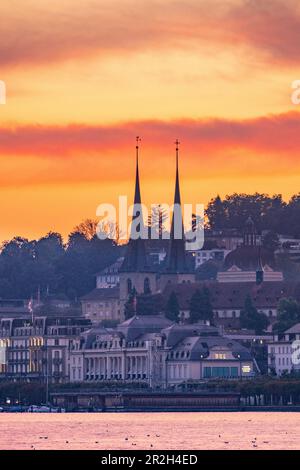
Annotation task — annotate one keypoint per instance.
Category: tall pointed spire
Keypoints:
(176, 261)
(259, 269)
(135, 259)
(137, 193)
(177, 199)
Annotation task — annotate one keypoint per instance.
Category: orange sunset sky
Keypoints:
(84, 77)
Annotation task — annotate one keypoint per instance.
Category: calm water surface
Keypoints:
(140, 430)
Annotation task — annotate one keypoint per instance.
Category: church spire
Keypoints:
(135, 259)
(259, 269)
(137, 194)
(176, 261)
(177, 199)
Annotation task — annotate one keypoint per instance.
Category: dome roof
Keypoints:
(247, 258)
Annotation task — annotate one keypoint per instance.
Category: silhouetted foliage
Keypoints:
(200, 306)
(207, 271)
(268, 212)
(172, 308)
(288, 315)
(130, 307)
(48, 266)
(148, 304)
(252, 319)
(270, 241)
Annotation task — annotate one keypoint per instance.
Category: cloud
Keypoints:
(40, 154)
(269, 134)
(44, 32)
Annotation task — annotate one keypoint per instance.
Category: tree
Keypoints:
(200, 306)
(207, 271)
(87, 228)
(215, 213)
(268, 212)
(157, 221)
(130, 308)
(270, 241)
(112, 231)
(288, 315)
(289, 268)
(252, 319)
(148, 304)
(172, 308)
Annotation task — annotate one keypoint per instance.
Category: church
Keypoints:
(250, 262)
(137, 273)
(249, 269)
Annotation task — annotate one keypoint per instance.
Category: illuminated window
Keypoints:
(246, 369)
(220, 356)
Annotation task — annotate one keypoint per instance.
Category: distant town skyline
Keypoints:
(89, 76)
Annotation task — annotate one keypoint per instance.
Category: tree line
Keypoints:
(48, 264)
(270, 213)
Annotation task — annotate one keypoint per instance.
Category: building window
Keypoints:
(220, 372)
(220, 356)
(147, 289)
(129, 286)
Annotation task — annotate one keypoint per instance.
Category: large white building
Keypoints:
(161, 353)
(281, 352)
(38, 349)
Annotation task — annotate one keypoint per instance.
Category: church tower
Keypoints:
(135, 273)
(177, 268)
(250, 233)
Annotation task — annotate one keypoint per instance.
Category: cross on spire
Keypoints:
(176, 261)
(177, 143)
(135, 258)
(138, 139)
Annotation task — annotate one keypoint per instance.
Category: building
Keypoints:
(228, 239)
(228, 298)
(109, 277)
(214, 254)
(38, 349)
(280, 352)
(138, 273)
(157, 250)
(14, 308)
(289, 247)
(158, 352)
(102, 304)
(179, 266)
(250, 262)
(200, 352)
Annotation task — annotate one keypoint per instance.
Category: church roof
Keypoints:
(230, 295)
(251, 256)
(248, 258)
(102, 294)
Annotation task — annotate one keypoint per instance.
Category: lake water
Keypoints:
(133, 431)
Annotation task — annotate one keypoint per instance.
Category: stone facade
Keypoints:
(282, 352)
(102, 304)
(38, 350)
(156, 351)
